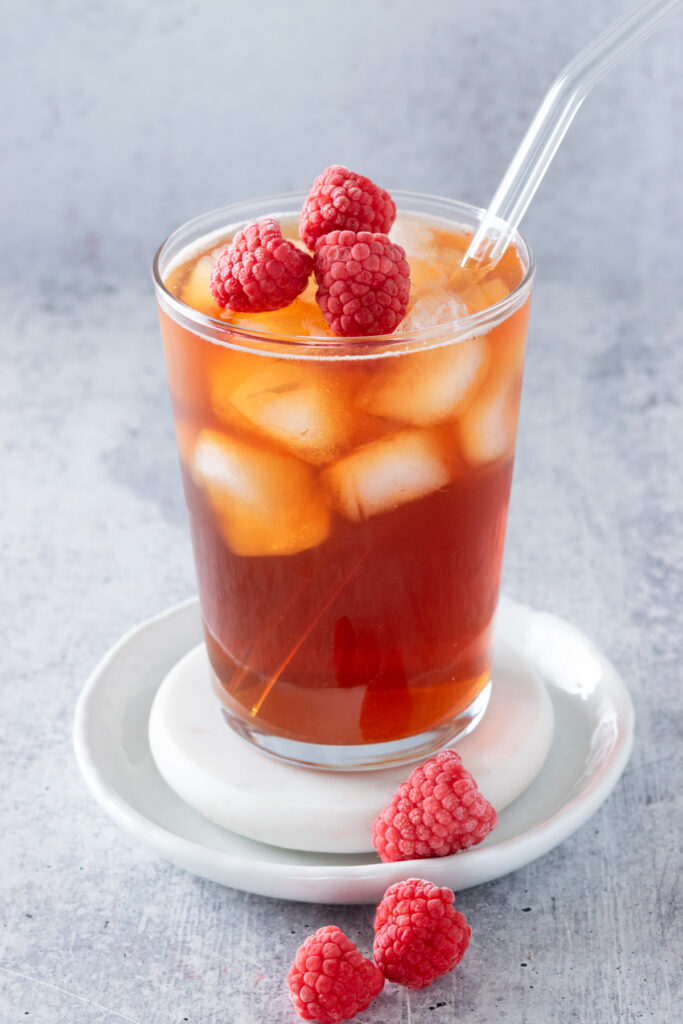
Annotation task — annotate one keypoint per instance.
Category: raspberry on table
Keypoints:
(363, 282)
(419, 936)
(438, 810)
(260, 270)
(330, 980)
(343, 200)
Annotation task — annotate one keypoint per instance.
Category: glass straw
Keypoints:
(548, 128)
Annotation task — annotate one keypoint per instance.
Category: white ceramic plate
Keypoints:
(592, 743)
(240, 788)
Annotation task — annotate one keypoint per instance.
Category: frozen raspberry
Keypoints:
(418, 934)
(260, 270)
(330, 980)
(342, 200)
(438, 810)
(363, 282)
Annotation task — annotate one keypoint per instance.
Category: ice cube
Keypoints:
(289, 226)
(425, 275)
(258, 323)
(418, 240)
(230, 369)
(433, 251)
(196, 291)
(266, 503)
(387, 473)
(485, 294)
(487, 428)
(301, 317)
(437, 306)
(425, 388)
(302, 407)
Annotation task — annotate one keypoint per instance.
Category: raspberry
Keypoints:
(363, 282)
(330, 980)
(418, 934)
(438, 810)
(341, 200)
(260, 270)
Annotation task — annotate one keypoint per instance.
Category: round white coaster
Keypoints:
(242, 789)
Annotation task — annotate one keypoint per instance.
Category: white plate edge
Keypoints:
(514, 851)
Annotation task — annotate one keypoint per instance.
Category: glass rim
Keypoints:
(223, 332)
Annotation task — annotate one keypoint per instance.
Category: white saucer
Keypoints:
(238, 786)
(592, 743)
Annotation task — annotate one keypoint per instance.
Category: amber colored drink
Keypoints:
(348, 499)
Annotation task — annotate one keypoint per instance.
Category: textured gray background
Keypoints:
(118, 122)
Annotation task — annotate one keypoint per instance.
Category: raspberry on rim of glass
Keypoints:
(260, 270)
(363, 282)
(341, 200)
(363, 277)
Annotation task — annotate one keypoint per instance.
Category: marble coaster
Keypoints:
(237, 786)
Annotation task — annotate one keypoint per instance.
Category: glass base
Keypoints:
(364, 756)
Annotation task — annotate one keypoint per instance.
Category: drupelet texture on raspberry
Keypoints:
(342, 200)
(330, 980)
(419, 936)
(438, 810)
(363, 282)
(260, 270)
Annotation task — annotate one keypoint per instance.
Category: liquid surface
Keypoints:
(348, 518)
(441, 290)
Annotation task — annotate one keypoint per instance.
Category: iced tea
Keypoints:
(348, 497)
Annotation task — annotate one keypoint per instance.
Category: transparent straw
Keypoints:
(548, 128)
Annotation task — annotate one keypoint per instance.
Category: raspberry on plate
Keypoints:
(260, 270)
(438, 810)
(341, 199)
(363, 282)
(419, 936)
(330, 980)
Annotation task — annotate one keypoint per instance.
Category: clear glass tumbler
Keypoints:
(348, 501)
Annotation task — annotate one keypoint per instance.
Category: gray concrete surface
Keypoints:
(94, 927)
